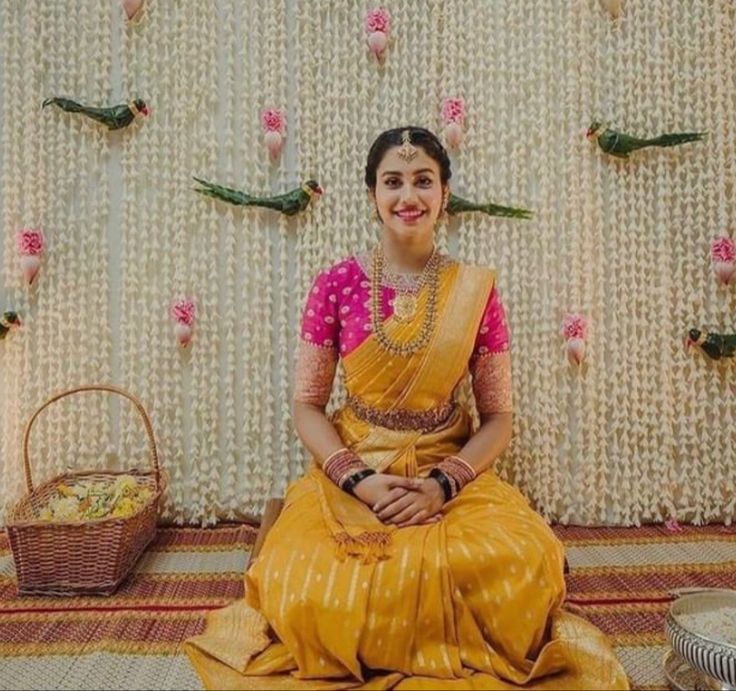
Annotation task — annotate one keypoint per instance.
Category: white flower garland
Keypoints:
(641, 432)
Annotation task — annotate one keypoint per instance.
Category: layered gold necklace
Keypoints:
(405, 304)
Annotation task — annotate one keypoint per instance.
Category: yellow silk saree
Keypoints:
(339, 600)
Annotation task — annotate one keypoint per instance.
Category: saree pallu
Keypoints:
(339, 600)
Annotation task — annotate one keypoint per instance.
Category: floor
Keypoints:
(620, 579)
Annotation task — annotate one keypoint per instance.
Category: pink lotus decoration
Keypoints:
(453, 115)
(723, 256)
(575, 331)
(132, 9)
(183, 313)
(273, 122)
(30, 243)
(377, 24)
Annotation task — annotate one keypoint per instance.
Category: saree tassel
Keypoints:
(368, 547)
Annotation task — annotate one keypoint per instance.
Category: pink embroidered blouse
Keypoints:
(336, 320)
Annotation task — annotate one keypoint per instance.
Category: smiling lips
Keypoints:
(409, 215)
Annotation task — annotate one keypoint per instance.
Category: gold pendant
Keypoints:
(405, 306)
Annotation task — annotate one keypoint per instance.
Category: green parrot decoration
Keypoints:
(714, 345)
(114, 117)
(8, 320)
(621, 145)
(289, 203)
(458, 205)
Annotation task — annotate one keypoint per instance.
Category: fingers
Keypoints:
(397, 507)
(429, 520)
(410, 483)
(413, 515)
(408, 513)
(414, 519)
(389, 499)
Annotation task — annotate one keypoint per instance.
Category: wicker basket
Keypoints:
(80, 557)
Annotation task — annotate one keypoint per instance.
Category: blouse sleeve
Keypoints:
(317, 352)
(490, 363)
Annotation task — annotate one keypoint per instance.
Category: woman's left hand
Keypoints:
(423, 505)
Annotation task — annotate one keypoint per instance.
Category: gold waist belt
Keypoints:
(400, 419)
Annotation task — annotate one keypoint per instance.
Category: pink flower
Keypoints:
(574, 325)
(377, 19)
(30, 241)
(182, 311)
(273, 120)
(723, 249)
(453, 110)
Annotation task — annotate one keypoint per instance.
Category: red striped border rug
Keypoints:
(620, 579)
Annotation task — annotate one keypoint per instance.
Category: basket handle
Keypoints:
(96, 387)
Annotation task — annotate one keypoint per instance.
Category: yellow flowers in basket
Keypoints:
(87, 500)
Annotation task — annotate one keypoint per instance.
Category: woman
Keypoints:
(400, 561)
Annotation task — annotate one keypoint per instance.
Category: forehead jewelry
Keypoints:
(407, 150)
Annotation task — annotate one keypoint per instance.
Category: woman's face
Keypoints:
(408, 194)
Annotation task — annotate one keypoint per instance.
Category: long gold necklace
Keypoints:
(405, 308)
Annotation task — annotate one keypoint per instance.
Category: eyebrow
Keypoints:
(396, 172)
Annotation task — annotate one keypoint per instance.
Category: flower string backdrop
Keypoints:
(54, 178)
(615, 421)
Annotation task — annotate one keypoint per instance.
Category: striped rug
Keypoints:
(131, 640)
(620, 579)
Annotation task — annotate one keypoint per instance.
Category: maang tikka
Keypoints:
(407, 150)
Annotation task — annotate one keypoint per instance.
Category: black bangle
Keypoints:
(352, 482)
(444, 482)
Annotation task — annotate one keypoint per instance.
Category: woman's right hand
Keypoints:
(382, 489)
(383, 486)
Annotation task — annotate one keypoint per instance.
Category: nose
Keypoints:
(408, 196)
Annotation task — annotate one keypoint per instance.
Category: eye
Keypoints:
(391, 182)
(424, 181)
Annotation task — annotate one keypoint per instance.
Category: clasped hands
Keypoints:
(402, 501)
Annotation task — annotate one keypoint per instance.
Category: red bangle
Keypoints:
(458, 472)
(341, 465)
